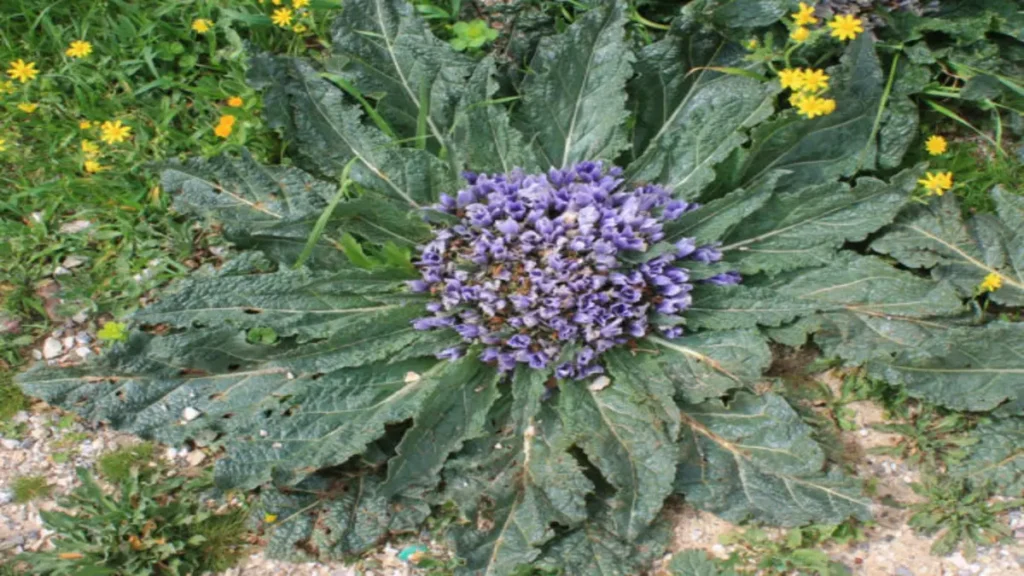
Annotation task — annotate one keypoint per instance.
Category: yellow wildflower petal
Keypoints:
(297, 4)
(235, 102)
(937, 183)
(828, 105)
(753, 43)
(92, 166)
(114, 132)
(814, 80)
(936, 145)
(299, 28)
(79, 49)
(84, 125)
(846, 27)
(90, 148)
(792, 78)
(991, 283)
(800, 35)
(7, 87)
(805, 15)
(202, 25)
(282, 17)
(22, 71)
(270, 518)
(28, 107)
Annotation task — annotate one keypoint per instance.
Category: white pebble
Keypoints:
(52, 348)
(189, 414)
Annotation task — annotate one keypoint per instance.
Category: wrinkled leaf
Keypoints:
(574, 102)
(756, 460)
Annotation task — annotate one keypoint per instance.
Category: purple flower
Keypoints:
(451, 354)
(532, 271)
(725, 279)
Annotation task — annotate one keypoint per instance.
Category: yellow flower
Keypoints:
(225, 126)
(845, 27)
(22, 71)
(805, 15)
(270, 518)
(753, 43)
(792, 78)
(828, 105)
(991, 283)
(300, 4)
(814, 80)
(299, 28)
(812, 106)
(7, 88)
(202, 25)
(28, 107)
(114, 132)
(90, 148)
(276, 2)
(3, 145)
(79, 49)
(235, 102)
(84, 125)
(92, 166)
(282, 17)
(937, 183)
(796, 98)
(936, 145)
(801, 34)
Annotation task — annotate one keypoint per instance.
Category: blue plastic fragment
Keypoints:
(407, 553)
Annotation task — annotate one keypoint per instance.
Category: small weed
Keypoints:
(66, 421)
(116, 465)
(963, 517)
(932, 437)
(798, 552)
(146, 523)
(29, 488)
(12, 400)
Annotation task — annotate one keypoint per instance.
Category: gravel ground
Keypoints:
(49, 444)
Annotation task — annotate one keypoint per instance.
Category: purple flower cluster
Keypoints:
(533, 272)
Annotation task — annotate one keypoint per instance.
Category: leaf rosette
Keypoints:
(556, 347)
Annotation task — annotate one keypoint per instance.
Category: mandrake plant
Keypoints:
(553, 310)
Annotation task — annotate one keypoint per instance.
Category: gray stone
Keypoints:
(37, 355)
(83, 338)
(83, 352)
(903, 571)
(68, 342)
(10, 444)
(81, 317)
(52, 348)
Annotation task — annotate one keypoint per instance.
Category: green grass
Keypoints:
(29, 488)
(152, 72)
(116, 465)
(12, 400)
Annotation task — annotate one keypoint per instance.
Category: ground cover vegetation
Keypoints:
(535, 278)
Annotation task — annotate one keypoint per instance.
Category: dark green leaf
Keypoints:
(626, 430)
(816, 151)
(756, 460)
(391, 55)
(805, 227)
(483, 137)
(968, 368)
(574, 102)
(998, 457)
(709, 364)
(337, 518)
(689, 117)
(935, 236)
(452, 412)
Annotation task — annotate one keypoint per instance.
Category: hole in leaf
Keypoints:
(233, 367)
(252, 310)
